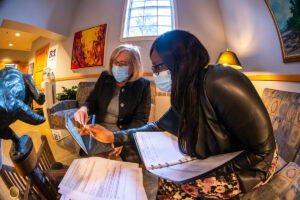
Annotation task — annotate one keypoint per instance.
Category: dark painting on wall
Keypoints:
(88, 47)
(286, 15)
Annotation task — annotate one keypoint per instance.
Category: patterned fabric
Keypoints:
(83, 91)
(216, 187)
(284, 111)
(283, 185)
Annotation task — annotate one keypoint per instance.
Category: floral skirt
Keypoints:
(216, 187)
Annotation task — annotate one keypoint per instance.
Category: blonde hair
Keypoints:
(134, 58)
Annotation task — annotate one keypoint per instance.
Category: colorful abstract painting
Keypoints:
(88, 47)
(286, 15)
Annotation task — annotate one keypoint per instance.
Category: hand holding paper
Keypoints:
(98, 132)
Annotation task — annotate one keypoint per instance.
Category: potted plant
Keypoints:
(67, 94)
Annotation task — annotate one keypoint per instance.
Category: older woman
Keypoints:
(121, 97)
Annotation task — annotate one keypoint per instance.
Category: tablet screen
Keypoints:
(75, 134)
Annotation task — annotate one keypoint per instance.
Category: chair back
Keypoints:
(83, 91)
(44, 155)
(44, 160)
(11, 178)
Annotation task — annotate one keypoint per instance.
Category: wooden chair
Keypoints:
(44, 159)
(12, 178)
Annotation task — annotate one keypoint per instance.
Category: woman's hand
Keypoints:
(115, 153)
(81, 115)
(98, 132)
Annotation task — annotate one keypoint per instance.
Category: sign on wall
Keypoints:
(52, 55)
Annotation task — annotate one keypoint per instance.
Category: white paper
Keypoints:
(99, 178)
(161, 156)
(186, 171)
(160, 149)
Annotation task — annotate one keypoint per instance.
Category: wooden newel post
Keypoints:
(24, 158)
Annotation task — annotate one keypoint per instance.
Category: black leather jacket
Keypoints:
(234, 118)
(134, 101)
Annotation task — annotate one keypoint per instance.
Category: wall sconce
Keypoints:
(228, 58)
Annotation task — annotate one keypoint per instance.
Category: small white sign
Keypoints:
(59, 134)
(52, 55)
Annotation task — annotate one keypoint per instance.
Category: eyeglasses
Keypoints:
(158, 68)
(121, 63)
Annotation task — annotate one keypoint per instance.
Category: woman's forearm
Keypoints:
(126, 136)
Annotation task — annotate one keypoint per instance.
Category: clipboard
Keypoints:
(181, 171)
(75, 134)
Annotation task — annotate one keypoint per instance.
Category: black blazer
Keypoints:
(234, 118)
(134, 101)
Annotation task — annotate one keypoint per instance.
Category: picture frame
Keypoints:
(88, 47)
(30, 68)
(286, 19)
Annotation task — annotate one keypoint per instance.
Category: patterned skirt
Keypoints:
(215, 187)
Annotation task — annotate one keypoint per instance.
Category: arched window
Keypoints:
(148, 18)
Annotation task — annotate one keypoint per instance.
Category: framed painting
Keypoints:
(286, 15)
(88, 47)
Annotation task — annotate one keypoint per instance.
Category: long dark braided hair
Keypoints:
(185, 57)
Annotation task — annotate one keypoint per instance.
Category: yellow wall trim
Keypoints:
(288, 78)
(76, 77)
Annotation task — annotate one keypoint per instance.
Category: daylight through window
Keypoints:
(148, 17)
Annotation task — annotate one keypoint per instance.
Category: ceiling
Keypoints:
(22, 42)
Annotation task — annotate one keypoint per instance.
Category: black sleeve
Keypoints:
(91, 101)
(241, 111)
(168, 122)
(141, 115)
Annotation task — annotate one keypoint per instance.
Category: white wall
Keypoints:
(278, 85)
(203, 18)
(197, 16)
(53, 15)
(251, 33)
(13, 55)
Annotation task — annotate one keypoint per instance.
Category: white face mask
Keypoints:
(120, 73)
(163, 80)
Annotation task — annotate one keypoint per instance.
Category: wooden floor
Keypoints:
(60, 151)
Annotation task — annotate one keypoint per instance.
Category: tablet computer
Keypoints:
(75, 134)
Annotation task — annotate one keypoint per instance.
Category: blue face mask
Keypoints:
(120, 73)
(163, 80)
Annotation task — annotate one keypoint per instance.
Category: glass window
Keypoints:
(148, 18)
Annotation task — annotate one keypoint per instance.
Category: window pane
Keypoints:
(150, 30)
(164, 3)
(150, 12)
(151, 3)
(148, 17)
(163, 29)
(137, 12)
(135, 31)
(164, 21)
(136, 21)
(150, 21)
(138, 4)
(164, 11)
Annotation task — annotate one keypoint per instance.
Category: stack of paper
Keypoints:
(99, 178)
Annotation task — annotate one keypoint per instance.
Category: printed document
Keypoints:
(102, 179)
